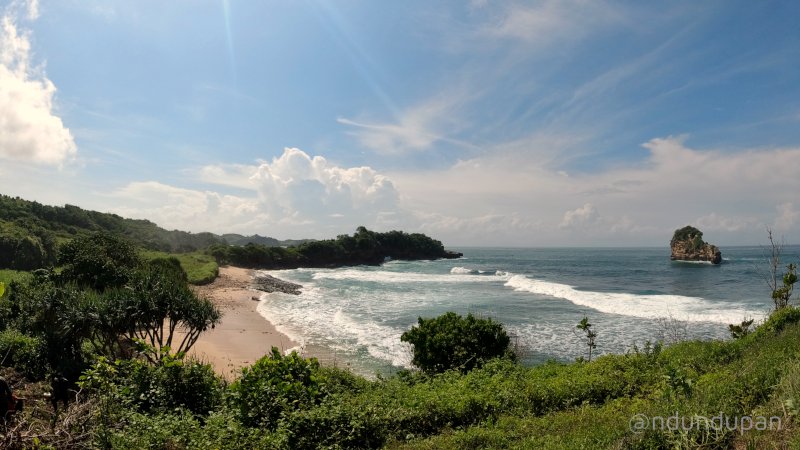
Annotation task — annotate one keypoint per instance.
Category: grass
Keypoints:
(8, 275)
(199, 267)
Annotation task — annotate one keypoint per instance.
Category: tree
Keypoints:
(590, 334)
(688, 234)
(98, 261)
(153, 307)
(781, 293)
(451, 341)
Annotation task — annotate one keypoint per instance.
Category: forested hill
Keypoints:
(30, 233)
(30, 230)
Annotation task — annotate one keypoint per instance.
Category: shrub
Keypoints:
(779, 320)
(173, 382)
(25, 353)
(454, 342)
(98, 261)
(274, 385)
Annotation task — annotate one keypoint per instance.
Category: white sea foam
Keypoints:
(316, 317)
(383, 276)
(462, 270)
(692, 309)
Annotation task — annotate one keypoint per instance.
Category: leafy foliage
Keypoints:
(24, 246)
(172, 382)
(451, 341)
(741, 330)
(590, 334)
(274, 386)
(688, 233)
(781, 295)
(24, 353)
(71, 221)
(363, 247)
(154, 305)
(98, 261)
(56, 314)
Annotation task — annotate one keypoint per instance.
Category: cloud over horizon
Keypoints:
(297, 195)
(293, 195)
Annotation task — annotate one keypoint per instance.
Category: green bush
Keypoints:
(98, 261)
(454, 342)
(174, 382)
(181, 430)
(778, 320)
(273, 386)
(24, 353)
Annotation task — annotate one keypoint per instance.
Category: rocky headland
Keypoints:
(687, 245)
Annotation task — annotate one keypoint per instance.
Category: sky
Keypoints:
(482, 123)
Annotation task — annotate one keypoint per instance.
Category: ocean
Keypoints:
(354, 316)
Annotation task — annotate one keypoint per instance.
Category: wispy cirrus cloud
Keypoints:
(417, 129)
(542, 23)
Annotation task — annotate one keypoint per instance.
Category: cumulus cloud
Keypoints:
(731, 195)
(30, 130)
(185, 209)
(294, 195)
(297, 185)
(578, 218)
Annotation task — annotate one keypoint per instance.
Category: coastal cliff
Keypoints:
(687, 245)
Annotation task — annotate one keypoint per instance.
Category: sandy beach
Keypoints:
(244, 335)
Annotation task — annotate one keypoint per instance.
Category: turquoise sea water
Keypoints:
(631, 295)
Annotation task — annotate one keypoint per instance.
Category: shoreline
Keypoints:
(243, 336)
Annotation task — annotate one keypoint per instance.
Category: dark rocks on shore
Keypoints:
(687, 245)
(269, 284)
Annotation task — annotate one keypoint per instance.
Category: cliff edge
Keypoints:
(687, 245)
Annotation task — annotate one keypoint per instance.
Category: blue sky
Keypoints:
(480, 123)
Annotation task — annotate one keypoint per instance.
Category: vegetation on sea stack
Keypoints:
(687, 245)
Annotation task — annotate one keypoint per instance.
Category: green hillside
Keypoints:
(30, 233)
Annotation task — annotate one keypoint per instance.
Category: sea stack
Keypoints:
(687, 245)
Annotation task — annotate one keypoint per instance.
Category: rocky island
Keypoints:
(687, 245)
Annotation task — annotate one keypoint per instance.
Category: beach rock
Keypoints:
(687, 245)
(269, 284)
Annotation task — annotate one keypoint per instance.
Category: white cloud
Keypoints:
(185, 209)
(30, 130)
(417, 129)
(731, 193)
(295, 195)
(717, 222)
(542, 23)
(297, 185)
(586, 215)
(787, 217)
